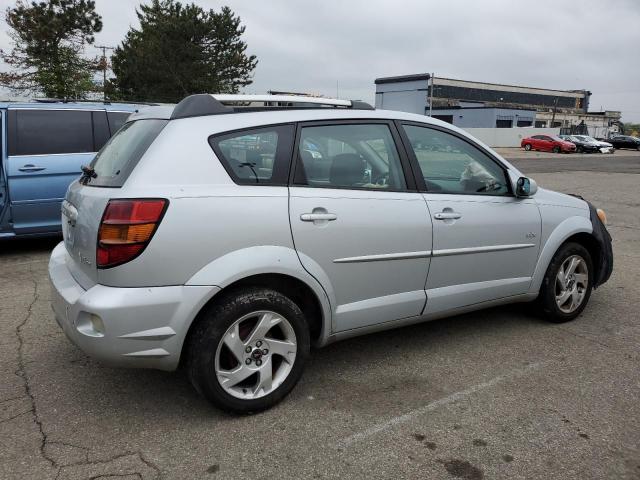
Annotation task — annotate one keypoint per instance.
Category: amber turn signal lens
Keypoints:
(602, 216)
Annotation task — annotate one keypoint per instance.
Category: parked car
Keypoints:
(547, 143)
(625, 141)
(186, 243)
(605, 147)
(582, 145)
(46, 145)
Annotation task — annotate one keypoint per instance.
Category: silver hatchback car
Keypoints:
(230, 233)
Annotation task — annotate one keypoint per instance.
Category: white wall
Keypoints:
(508, 137)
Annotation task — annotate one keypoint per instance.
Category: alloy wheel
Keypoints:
(572, 282)
(255, 355)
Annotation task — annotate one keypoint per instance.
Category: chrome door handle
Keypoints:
(314, 217)
(31, 168)
(447, 216)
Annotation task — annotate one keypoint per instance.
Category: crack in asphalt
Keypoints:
(119, 456)
(22, 373)
(44, 439)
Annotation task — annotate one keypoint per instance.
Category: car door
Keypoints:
(485, 240)
(358, 224)
(3, 185)
(46, 149)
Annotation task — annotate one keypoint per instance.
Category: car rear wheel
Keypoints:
(527, 147)
(248, 350)
(567, 284)
(556, 150)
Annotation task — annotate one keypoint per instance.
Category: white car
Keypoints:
(211, 234)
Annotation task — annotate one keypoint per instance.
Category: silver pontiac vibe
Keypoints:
(231, 233)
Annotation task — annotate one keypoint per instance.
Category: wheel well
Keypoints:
(295, 289)
(591, 244)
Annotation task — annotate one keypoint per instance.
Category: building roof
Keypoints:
(403, 78)
(427, 76)
(483, 107)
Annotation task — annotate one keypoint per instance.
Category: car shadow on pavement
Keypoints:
(330, 373)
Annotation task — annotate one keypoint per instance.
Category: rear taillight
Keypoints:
(126, 229)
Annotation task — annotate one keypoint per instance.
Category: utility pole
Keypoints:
(104, 70)
(431, 94)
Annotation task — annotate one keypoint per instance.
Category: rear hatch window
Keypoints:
(117, 159)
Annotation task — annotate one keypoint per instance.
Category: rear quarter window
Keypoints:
(117, 159)
(256, 156)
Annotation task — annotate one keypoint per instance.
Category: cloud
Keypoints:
(308, 45)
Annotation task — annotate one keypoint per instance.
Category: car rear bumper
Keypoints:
(130, 327)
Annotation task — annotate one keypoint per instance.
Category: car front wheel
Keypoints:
(248, 350)
(556, 150)
(527, 147)
(567, 284)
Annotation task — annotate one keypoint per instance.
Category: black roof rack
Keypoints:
(205, 104)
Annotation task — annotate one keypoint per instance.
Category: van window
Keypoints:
(43, 132)
(120, 155)
(116, 120)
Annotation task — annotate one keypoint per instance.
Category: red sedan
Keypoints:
(547, 143)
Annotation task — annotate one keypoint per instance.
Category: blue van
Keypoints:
(43, 146)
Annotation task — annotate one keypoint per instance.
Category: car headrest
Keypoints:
(347, 169)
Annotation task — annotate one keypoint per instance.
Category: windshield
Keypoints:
(555, 137)
(115, 161)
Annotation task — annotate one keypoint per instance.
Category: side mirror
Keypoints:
(525, 187)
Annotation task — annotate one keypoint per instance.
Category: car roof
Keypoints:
(55, 105)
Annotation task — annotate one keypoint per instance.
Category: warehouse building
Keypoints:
(470, 104)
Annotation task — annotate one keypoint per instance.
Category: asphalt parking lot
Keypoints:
(493, 394)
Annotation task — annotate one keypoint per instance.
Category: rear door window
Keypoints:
(120, 155)
(256, 156)
(355, 156)
(45, 132)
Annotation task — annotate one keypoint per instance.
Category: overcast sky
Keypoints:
(310, 46)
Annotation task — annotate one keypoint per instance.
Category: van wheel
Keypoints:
(567, 285)
(248, 350)
(527, 147)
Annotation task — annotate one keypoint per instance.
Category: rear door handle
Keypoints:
(447, 216)
(31, 168)
(314, 217)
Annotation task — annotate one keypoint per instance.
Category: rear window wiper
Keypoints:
(87, 174)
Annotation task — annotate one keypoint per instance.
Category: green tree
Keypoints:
(179, 50)
(48, 45)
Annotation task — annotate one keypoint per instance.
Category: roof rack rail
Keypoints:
(206, 104)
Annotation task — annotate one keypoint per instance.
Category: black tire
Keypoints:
(547, 296)
(638, 148)
(210, 329)
(527, 146)
(556, 150)
(579, 149)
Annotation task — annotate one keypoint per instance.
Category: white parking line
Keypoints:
(454, 397)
